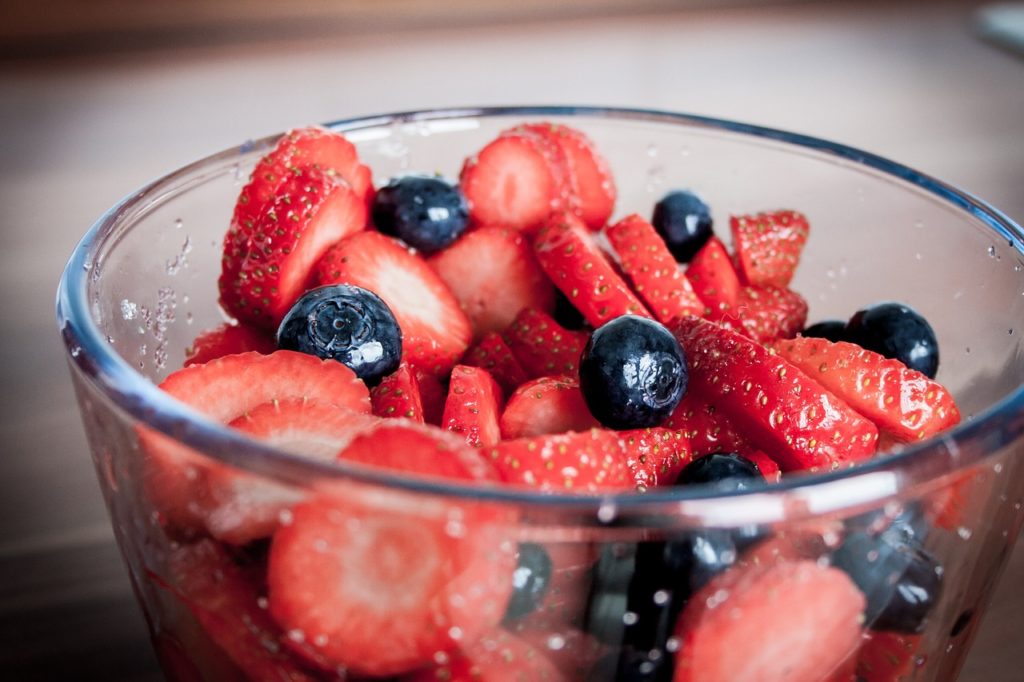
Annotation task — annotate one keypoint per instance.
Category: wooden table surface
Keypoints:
(906, 80)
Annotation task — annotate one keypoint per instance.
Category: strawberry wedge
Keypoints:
(546, 405)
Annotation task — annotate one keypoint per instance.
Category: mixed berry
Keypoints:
(503, 330)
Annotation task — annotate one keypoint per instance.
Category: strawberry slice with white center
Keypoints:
(493, 273)
(546, 405)
(228, 339)
(773, 622)
(435, 331)
(472, 408)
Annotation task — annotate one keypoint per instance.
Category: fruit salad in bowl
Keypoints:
(553, 394)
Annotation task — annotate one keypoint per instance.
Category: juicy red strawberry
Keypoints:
(791, 620)
(435, 331)
(713, 276)
(565, 197)
(493, 354)
(948, 506)
(509, 183)
(498, 656)
(433, 394)
(590, 177)
(576, 266)
(493, 273)
(572, 651)
(903, 403)
(590, 461)
(780, 409)
(542, 346)
(768, 246)
(472, 407)
(765, 313)
(228, 339)
(224, 600)
(887, 656)
(546, 405)
(769, 469)
(652, 270)
(398, 395)
(655, 456)
(704, 427)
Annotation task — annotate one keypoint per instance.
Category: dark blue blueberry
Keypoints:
(833, 330)
(908, 526)
(344, 323)
(632, 373)
(896, 331)
(566, 314)
(424, 212)
(684, 222)
(726, 471)
(530, 581)
(609, 592)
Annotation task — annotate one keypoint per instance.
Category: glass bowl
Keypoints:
(142, 284)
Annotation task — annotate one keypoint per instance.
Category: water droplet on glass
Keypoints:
(455, 633)
(918, 256)
(919, 224)
(652, 150)
(992, 251)
(629, 618)
(607, 512)
(949, 647)
(75, 350)
(110, 339)
(129, 310)
(672, 644)
(967, 349)
(684, 151)
(964, 533)
(997, 467)
(556, 642)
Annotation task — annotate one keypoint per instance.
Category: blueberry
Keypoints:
(609, 592)
(684, 222)
(632, 373)
(833, 330)
(530, 582)
(727, 471)
(896, 331)
(427, 213)
(344, 323)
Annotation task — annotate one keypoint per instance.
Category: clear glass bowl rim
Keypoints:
(918, 467)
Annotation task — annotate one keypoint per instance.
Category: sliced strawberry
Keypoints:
(590, 461)
(769, 469)
(652, 270)
(398, 395)
(887, 656)
(493, 273)
(228, 339)
(903, 403)
(781, 410)
(768, 246)
(713, 276)
(546, 405)
(493, 354)
(655, 456)
(542, 346)
(765, 313)
(576, 266)
(571, 650)
(793, 621)
(509, 183)
(473, 405)
(704, 426)
(268, 260)
(565, 197)
(498, 656)
(435, 331)
(433, 395)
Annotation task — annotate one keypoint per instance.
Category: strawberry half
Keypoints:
(558, 163)
(903, 403)
(704, 426)
(576, 266)
(269, 258)
(472, 408)
(652, 270)
(655, 456)
(433, 395)
(781, 410)
(509, 183)
(587, 462)
(887, 656)
(765, 313)
(714, 277)
(398, 395)
(435, 331)
(228, 339)
(493, 354)
(542, 346)
(546, 405)
(493, 273)
(794, 621)
(768, 246)
(498, 656)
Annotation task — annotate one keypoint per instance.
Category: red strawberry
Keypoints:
(435, 331)
(590, 461)
(590, 177)
(576, 266)
(768, 246)
(571, 650)
(652, 270)
(268, 260)
(228, 339)
(493, 273)
(493, 354)
(903, 403)
(713, 276)
(498, 656)
(398, 395)
(780, 409)
(509, 183)
(546, 405)
(793, 621)
(887, 656)
(558, 163)
(655, 456)
(542, 346)
(765, 313)
(472, 408)
(433, 394)
(704, 426)
(948, 506)
(769, 469)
